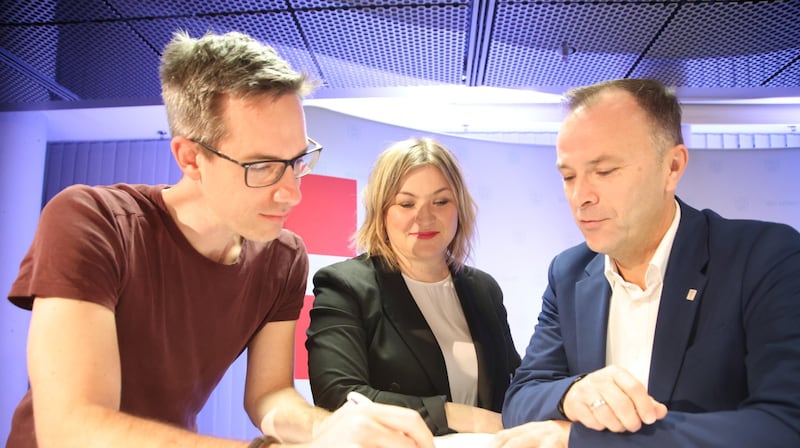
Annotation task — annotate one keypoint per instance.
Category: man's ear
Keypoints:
(186, 153)
(678, 158)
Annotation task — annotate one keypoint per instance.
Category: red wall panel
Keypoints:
(325, 219)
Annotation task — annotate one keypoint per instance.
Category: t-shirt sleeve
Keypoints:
(293, 291)
(75, 252)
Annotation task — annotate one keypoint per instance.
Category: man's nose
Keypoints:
(287, 189)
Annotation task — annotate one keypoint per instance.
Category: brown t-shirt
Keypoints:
(181, 318)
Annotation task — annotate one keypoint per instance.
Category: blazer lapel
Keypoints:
(592, 298)
(683, 290)
(402, 312)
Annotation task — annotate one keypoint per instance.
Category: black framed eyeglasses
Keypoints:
(263, 173)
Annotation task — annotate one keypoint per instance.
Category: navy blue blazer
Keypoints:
(726, 364)
(367, 334)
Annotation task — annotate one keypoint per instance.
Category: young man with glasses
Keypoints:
(143, 296)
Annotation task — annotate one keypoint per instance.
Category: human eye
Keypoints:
(442, 201)
(260, 168)
(606, 171)
(263, 172)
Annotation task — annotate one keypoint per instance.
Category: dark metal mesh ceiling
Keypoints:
(107, 51)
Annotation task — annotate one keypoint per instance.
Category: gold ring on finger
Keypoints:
(597, 403)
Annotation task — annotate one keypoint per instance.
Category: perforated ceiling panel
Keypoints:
(57, 52)
(24, 52)
(567, 44)
(726, 45)
(388, 47)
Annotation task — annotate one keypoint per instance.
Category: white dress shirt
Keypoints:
(633, 312)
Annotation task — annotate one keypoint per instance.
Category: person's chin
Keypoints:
(594, 243)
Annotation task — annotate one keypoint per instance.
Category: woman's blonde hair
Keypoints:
(390, 169)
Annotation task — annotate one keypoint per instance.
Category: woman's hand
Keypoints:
(465, 418)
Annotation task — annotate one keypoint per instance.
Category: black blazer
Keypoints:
(367, 334)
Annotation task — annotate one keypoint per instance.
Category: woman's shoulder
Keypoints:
(474, 273)
(354, 270)
(475, 276)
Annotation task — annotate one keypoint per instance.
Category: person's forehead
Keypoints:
(265, 127)
(597, 135)
(424, 173)
(612, 115)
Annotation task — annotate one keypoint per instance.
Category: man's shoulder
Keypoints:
(734, 241)
(102, 206)
(116, 198)
(746, 229)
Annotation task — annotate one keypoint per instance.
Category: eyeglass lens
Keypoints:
(267, 173)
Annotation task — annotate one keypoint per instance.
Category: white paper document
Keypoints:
(463, 440)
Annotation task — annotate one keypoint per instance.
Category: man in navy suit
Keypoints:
(670, 326)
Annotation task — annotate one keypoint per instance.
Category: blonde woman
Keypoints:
(407, 322)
